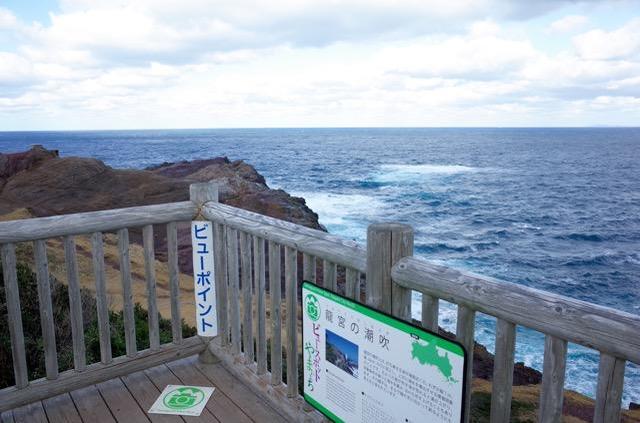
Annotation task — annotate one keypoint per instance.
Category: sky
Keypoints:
(118, 64)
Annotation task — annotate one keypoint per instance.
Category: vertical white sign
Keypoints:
(203, 278)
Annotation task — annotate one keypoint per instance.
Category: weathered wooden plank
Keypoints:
(159, 377)
(401, 246)
(46, 311)
(237, 391)
(75, 304)
(275, 286)
(465, 328)
(330, 275)
(102, 305)
(609, 391)
(220, 270)
(293, 408)
(90, 405)
(553, 372)
(601, 328)
(174, 281)
(150, 274)
(61, 409)
(219, 405)
(306, 240)
(43, 388)
(503, 372)
(247, 294)
(291, 283)
(120, 402)
(261, 306)
(127, 295)
(378, 287)
(14, 315)
(234, 286)
(30, 413)
(386, 244)
(7, 417)
(89, 222)
(352, 284)
(145, 391)
(430, 311)
(309, 267)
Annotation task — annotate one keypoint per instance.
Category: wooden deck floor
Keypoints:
(127, 399)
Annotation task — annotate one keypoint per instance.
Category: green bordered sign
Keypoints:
(182, 400)
(361, 365)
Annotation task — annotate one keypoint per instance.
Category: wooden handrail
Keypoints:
(594, 326)
(96, 221)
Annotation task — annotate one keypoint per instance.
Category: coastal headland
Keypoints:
(39, 182)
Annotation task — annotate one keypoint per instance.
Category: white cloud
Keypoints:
(167, 64)
(568, 23)
(622, 43)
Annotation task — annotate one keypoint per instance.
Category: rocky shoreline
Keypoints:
(39, 182)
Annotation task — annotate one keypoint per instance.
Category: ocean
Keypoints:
(555, 209)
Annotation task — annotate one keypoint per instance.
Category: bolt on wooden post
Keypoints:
(386, 244)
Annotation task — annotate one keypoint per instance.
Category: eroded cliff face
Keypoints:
(47, 184)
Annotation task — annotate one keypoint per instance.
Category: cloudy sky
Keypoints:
(102, 64)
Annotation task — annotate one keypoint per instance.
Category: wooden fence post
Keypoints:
(386, 244)
(200, 194)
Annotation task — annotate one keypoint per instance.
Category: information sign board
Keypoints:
(361, 365)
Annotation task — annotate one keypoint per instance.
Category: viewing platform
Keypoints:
(254, 362)
(127, 399)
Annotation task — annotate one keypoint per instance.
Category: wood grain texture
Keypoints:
(98, 221)
(127, 295)
(30, 413)
(312, 241)
(221, 278)
(46, 310)
(150, 274)
(75, 304)
(309, 267)
(601, 328)
(14, 315)
(502, 382)
(247, 296)
(292, 408)
(234, 289)
(430, 312)
(275, 286)
(61, 409)
(121, 403)
(352, 284)
(70, 380)
(261, 306)
(609, 390)
(401, 246)
(330, 275)
(174, 281)
(102, 305)
(91, 406)
(378, 287)
(553, 373)
(465, 329)
(291, 283)
(145, 390)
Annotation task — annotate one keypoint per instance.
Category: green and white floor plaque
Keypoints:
(182, 400)
(361, 365)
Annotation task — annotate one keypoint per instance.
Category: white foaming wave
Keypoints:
(413, 172)
(344, 214)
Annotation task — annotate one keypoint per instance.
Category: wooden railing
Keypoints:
(255, 254)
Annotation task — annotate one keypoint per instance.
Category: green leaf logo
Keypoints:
(312, 305)
(183, 398)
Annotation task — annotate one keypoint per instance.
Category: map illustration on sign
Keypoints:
(363, 365)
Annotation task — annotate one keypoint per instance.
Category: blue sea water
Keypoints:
(554, 209)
